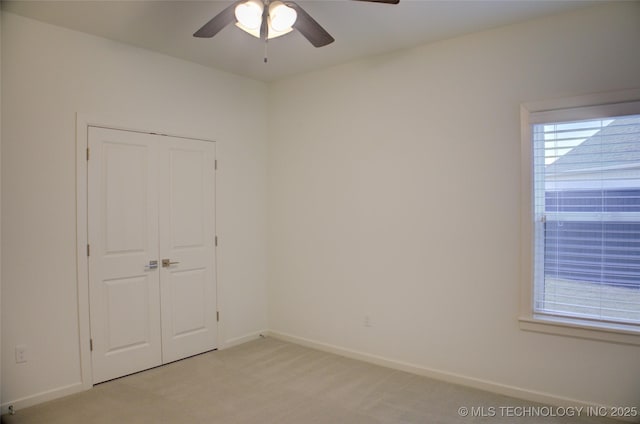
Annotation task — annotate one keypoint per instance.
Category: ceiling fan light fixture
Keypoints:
(281, 17)
(249, 14)
(280, 21)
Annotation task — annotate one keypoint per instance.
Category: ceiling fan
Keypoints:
(266, 19)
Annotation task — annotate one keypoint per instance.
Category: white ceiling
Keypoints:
(360, 29)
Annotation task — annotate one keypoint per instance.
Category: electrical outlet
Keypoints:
(21, 354)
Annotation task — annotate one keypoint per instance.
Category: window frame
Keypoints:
(565, 109)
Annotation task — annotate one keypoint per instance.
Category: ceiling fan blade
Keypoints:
(309, 28)
(218, 22)
(382, 1)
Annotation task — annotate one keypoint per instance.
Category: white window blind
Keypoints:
(587, 217)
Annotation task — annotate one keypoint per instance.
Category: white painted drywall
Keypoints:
(394, 195)
(49, 74)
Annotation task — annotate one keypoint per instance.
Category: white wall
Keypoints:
(49, 74)
(394, 194)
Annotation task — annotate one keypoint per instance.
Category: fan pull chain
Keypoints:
(265, 51)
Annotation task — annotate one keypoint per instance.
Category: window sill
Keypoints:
(621, 334)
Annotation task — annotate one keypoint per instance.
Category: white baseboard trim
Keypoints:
(242, 339)
(476, 383)
(41, 397)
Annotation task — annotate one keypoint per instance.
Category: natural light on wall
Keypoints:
(587, 219)
(280, 20)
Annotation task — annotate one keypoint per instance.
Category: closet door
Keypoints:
(152, 250)
(123, 240)
(187, 244)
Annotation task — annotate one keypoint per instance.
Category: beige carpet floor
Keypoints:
(271, 381)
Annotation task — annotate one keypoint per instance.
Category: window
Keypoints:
(584, 219)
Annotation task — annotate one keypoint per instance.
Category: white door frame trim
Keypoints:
(83, 122)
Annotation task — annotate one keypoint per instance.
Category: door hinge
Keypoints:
(215, 164)
(87, 153)
(88, 250)
(91, 345)
(217, 316)
(216, 240)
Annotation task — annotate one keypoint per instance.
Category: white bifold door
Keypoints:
(151, 249)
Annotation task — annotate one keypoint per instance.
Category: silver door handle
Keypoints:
(152, 265)
(166, 263)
